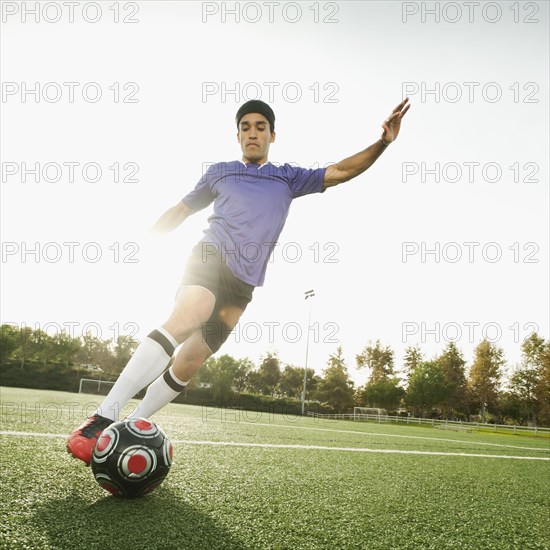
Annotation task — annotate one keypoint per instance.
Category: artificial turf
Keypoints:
(247, 480)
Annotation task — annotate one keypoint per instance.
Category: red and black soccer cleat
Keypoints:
(82, 441)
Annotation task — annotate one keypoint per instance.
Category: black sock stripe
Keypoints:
(163, 341)
(171, 382)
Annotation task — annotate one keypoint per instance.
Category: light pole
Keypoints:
(308, 294)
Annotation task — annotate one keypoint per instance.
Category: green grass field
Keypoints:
(244, 480)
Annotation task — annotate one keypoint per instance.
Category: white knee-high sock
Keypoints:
(163, 390)
(148, 361)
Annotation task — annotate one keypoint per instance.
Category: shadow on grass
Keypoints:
(158, 521)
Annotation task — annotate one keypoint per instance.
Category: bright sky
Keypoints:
(445, 237)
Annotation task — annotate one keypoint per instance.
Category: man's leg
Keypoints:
(169, 385)
(194, 304)
(196, 350)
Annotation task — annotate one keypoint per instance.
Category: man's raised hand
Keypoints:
(392, 124)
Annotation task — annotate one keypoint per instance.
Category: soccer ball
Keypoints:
(132, 457)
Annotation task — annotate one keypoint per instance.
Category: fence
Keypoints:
(442, 424)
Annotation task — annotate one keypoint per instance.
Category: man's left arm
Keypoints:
(351, 167)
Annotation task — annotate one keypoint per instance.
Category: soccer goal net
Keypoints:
(370, 413)
(97, 387)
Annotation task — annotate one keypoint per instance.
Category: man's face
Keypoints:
(255, 137)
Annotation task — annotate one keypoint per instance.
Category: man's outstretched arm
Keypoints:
(351, 167)
(172, 218)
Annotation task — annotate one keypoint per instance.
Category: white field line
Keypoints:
(332, 430)
(34, 434)
(349, 449)
(303, 447)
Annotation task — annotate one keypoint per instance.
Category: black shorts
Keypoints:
(210, 272)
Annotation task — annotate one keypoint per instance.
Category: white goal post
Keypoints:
(95, 386)
(370, 413)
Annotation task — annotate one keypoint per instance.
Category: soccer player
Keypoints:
(251, 201)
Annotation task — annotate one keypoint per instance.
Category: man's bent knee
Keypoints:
(214, 334)
(220, 325)
(194, 305)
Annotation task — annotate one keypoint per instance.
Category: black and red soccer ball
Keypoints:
(132, 457)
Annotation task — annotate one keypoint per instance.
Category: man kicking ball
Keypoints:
(251, 201)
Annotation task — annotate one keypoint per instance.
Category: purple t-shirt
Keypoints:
(251, 203)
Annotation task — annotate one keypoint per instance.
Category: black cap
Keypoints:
(257, 106)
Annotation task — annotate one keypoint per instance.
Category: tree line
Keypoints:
(437, 387)
(26, 348)
(443, 387)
